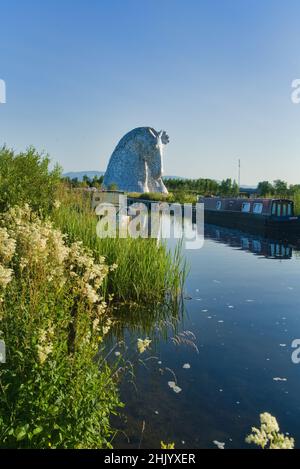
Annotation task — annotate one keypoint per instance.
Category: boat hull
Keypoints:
(282, 228)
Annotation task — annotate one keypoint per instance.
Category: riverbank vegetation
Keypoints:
(60, 286)
(26, 178)
(146, 271)
(53, 319)
(180, 190)
(281, 189)
(183, 190)
(268, 435)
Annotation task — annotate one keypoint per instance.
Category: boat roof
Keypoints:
(254, 199)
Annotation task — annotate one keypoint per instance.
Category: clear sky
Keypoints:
(215, 74)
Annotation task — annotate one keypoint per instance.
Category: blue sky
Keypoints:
(215, 74)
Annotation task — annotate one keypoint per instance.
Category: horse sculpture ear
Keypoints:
(152, 133)
(164, 137)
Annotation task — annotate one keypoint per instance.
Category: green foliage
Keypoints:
(54, 392)
(281, 189)
(167, 445)
(26, 178)
(145, 272)
(182, 197)
(265, 188)
(113, 187)
(296, 199)
(157, 196)
(194, 187)
(96, 181)
(200, 186)
(56, 389)
(177, 196)
(228, 188)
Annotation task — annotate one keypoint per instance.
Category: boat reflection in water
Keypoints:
(270, 249)
(173, 229)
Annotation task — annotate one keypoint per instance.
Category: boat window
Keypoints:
(274, 208)
(256, 245)
(278, 210)
(289, 209)
(219, 205)
(284, 207)
(245, 243)
(257, 208)
(246, 207)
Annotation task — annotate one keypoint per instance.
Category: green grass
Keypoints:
(178, 196)
(296, 199)
(147, 272)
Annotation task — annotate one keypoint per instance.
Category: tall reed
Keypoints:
(147, 272)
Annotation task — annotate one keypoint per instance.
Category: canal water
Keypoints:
(227, 351)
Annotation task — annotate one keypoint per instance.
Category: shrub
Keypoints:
(26, 178)
(178, 196)
(296, 199)
(53, 319)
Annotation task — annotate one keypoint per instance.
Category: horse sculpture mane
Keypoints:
(136, 163)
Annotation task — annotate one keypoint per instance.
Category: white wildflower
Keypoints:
(143, 345)
(90, 293)
(7, 246)
(268, 436)
(5, 276)
(45, 345)
(44, 351)
(269, 423)
(106, 328)
(96, 324)
(113, 267)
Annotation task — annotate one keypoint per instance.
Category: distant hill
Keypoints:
(79, 174)
(90, 174)
(174, 177)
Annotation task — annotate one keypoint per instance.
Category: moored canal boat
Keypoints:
(268, 215)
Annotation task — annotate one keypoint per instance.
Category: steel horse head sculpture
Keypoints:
(136, 164)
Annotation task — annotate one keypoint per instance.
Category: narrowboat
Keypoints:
(265, 215)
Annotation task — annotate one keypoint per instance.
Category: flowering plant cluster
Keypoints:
(268, 436)
(53, 318)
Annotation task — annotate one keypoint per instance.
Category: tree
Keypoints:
(265, 188)
(27, 178)
(280, 187)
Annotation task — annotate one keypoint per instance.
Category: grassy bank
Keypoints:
(58, 284)
(176, 196)
(53, 320)
(146, 272)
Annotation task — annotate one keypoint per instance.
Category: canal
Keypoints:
(223, 358)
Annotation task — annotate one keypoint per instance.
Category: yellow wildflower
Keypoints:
(167, 445)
